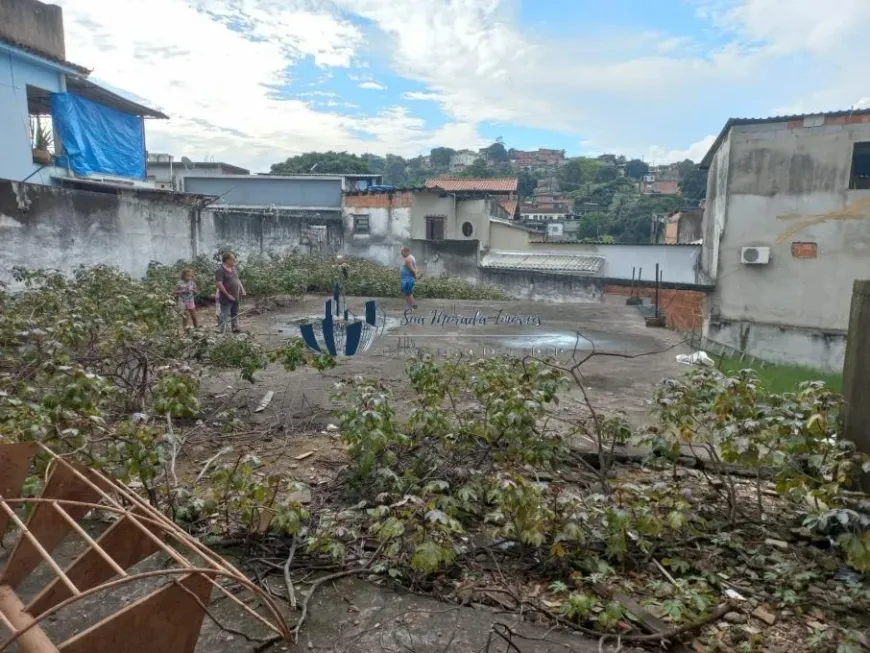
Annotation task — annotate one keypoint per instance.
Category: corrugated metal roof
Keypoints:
(559, 263)
(501, 185)
(708, 158)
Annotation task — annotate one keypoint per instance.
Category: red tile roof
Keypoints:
(503, 185)
(510, 206)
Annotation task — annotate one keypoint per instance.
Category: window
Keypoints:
(434, 228)
(467, 229)
(361, 225)
(860, 179)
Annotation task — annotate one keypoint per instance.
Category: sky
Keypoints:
(251, 82)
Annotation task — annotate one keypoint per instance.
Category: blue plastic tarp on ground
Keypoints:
(97, 139)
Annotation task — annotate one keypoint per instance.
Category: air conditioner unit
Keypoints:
(755, 255)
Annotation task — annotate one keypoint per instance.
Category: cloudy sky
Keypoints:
(251, 82)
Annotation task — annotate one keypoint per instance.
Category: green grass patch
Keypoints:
(781, 378)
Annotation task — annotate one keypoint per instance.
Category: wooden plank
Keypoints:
(123, 541)
(46, 525)
(34, 640)
(15, 462)
(168, 620)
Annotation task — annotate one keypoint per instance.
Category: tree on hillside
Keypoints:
(394, 171)
(376, 162)
(321, 162)
(496, 153)
(693, 181)
(527, 184)
(636, 169)
(606, 173)
(577, 172)
(439, 157)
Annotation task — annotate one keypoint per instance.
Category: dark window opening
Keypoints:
(434, 228)
(42, 136)
(860, 179)
(467, 229)
(361, 225)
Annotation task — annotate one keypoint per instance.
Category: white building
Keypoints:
(462, 160)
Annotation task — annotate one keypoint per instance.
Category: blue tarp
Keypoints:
(98, 139)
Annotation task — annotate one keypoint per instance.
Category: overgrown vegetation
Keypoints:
(747, 500)
(293, 275)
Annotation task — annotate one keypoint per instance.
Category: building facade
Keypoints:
(42, 95)
(167, 173)
(786, 231)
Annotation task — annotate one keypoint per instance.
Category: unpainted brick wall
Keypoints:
(683, 309)
(378, 201)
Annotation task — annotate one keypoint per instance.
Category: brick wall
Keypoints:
(683, 309)
(378, 201)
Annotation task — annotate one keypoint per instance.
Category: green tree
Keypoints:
(376, 163)
(394, 171)
(577, 172)
(478, 170)
(693, 181)
(496, 153)
(636, 169)
(439, 157)
(322, 162)
(527, 184)
(606, 173)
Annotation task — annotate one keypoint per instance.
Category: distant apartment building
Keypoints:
(168, 173)
(653, 185)
(534, 213)
(537, 159)
(461, 160)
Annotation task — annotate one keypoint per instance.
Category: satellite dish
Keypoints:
(188, 164)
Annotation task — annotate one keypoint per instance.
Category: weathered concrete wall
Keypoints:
(431, 204)
(34, 24)
(252, 233)
(475, 213)
(510, 238)
(263, 190)
(822, 350)
(788, 184)
(538, 286)
(690, 228)
(389, 226)
(678, 263)
(446, 258)
(49, 227)
(715, 208)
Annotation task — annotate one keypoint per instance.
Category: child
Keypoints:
(408, 276)
(186, 291)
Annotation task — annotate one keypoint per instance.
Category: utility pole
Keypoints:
(856, 374)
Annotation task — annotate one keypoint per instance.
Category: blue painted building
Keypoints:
(34, 76)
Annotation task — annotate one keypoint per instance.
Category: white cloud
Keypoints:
(219, 87)
(420, 96)
(224, 71)
(695, 152)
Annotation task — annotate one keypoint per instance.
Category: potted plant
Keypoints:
(42, 142)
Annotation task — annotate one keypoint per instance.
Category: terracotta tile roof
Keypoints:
(510, 206)
(43, 55)
(502, 185)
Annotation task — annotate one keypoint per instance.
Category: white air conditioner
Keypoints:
(755, 255)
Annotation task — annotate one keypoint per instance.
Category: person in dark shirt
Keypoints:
(229, 291)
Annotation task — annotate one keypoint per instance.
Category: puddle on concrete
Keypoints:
(559, 340)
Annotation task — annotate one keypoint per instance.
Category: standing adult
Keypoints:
(229, 290)
(408, 275)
